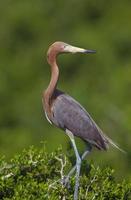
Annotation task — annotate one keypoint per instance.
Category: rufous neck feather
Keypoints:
(48, 94)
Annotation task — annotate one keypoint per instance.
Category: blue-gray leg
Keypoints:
(78, 164)
(66, 181)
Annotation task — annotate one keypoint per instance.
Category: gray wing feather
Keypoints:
(69, 114)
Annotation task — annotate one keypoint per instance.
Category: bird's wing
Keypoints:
(69, 114)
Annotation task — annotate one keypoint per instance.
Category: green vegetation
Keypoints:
(34, 174)
(100, 82)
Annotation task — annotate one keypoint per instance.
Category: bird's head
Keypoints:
(61, 47)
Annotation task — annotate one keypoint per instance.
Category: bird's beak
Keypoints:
(72, 49)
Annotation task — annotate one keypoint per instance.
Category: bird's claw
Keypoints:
(66, 182)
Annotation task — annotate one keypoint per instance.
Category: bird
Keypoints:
(66, 113)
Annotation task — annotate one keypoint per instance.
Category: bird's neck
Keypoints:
(48, 94)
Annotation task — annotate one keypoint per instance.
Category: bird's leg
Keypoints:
(66, 181)
(78, 164)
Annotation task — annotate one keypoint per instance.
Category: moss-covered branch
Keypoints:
(36, 175)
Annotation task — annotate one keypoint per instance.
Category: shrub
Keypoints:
(36, 174)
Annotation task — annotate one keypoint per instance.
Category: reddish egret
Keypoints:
(66, 113)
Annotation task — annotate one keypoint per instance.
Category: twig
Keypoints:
(63, 164)
(94, 178)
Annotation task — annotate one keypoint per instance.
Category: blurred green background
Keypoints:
(100, 82)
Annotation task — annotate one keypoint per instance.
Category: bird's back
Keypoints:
(68, 114)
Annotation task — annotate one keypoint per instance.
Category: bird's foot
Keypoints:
(66, 182)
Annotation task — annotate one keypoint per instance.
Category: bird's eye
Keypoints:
(65, 46)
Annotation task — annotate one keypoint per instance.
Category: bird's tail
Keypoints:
(110, 141)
